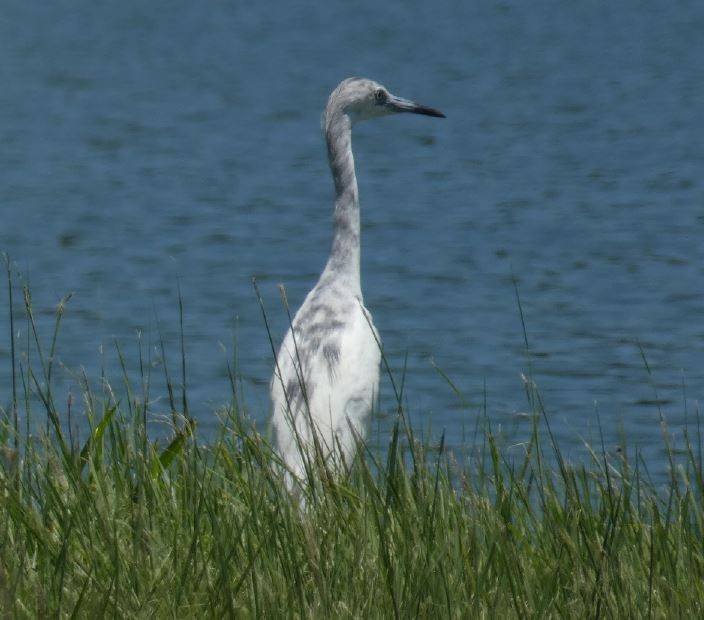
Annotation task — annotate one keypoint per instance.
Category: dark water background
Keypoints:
(150, 145)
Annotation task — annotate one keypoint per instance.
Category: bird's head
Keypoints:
(362, 99)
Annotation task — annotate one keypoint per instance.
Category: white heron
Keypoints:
(327, 370)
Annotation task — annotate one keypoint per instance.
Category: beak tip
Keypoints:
(432, 112)
(397, 104)
(428, 111)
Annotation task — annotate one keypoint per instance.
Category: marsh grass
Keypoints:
(114, 524)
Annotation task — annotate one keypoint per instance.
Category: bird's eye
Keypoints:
(379, 95)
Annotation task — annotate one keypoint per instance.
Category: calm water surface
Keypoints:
(147, 146)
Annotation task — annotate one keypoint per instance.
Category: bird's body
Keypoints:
(327, 370)
(339, 369)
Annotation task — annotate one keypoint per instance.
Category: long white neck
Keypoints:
(343, 263)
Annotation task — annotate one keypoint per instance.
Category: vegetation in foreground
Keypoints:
(115, 525)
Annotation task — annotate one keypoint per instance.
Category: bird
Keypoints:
(326, 376)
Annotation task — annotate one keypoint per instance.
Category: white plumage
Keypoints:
(338, 396)
(327, 371)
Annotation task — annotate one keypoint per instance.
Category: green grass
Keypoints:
(116, 525)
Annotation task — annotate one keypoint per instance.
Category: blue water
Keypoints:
(150, 146)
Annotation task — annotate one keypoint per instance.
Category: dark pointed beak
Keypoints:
(397, 104)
